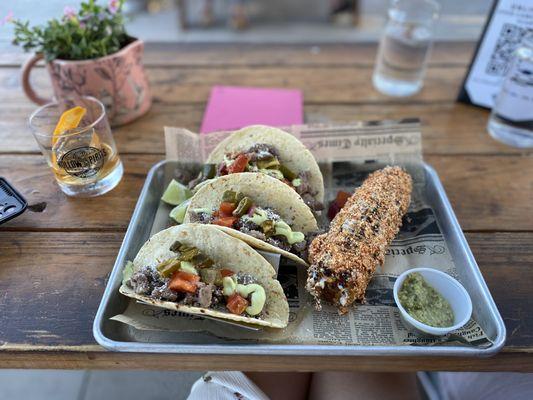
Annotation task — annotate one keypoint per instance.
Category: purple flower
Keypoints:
(7, 18)
(113, 6)
(69, 12)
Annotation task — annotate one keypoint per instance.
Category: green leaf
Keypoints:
(65, 38)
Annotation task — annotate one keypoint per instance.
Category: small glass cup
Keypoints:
(405, 47)
(84, 160)
(511, 119)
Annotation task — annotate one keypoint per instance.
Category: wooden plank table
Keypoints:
(54, 264)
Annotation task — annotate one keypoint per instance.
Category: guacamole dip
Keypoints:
(424, 303)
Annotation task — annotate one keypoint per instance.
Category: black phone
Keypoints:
(12, 203)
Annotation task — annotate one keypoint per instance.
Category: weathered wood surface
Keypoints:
(96, 358)
(320, 84)
(52, 283)
(54, 264)
(447, 128)
(217, 55)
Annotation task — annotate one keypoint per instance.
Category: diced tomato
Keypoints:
(183, 281)
(333, 209)
(226, 272)
(337, 204)
(236, 304)
(238, 165)
(226, 208)
(342, 198)
(225, 221)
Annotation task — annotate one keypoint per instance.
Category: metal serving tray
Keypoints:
(121, 337)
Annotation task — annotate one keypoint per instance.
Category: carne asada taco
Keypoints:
(259, 209)
(198, 269)
(279, 154)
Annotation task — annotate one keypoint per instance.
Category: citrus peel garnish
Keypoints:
(70, 119)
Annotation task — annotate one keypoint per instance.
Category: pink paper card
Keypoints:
(232, 107)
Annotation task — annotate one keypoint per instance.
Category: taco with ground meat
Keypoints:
(270, 151)
(261, 210)
(198, 269)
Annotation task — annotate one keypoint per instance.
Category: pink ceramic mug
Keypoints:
(118, 81)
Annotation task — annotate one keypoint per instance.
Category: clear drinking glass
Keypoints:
(511, 119)
(84, 160)
(405, 46)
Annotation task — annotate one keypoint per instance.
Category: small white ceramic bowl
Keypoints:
(449, 288)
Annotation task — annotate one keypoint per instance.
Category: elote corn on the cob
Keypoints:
(344, 259)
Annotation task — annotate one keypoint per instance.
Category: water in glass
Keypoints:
(511, 120)
(404, 48)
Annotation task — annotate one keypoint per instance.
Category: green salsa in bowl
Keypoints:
(431, 301)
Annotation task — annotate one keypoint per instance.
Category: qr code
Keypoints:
(509, 39)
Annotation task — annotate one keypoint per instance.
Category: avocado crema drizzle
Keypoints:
(191, 278)
(239, 212)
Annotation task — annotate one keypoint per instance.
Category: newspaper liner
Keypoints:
(368, 145)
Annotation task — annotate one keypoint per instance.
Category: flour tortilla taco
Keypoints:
(261, 210)
(198, 269)
(271, 151)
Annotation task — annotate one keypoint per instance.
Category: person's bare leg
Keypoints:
(356, 13)
(363, 385)
(239, 17)
(208, 17)
(182, 13)
(282, 385)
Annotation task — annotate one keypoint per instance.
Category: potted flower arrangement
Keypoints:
(88, 52)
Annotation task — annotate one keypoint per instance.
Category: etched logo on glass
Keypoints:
(83, 162)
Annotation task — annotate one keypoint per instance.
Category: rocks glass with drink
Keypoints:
(511, 120)
(405, 46)
(76, 141)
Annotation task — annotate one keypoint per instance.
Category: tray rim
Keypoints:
(300, 349)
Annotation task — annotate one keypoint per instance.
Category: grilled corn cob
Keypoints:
(344, 259)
